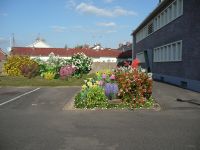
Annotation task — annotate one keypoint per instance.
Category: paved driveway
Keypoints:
(37, 121)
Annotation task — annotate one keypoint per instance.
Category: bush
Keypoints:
(67, 71)
(53, 64)
(92, 97)
(82, 63)
(30, 70)
(14, 65)
(49, 75)
(135, 86)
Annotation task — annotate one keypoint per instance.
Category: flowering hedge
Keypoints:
(52, 64)
(64, 68)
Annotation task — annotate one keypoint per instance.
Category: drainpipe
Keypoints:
(133, 45)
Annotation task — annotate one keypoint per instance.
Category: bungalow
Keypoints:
(43, 53)
(167, 43)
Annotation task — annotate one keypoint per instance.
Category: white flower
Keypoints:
(143, 70)
(150, 75)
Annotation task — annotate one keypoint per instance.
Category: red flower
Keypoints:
(135, 63)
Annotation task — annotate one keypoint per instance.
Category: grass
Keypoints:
(39, 81)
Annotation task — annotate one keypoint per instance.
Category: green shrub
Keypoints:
(92, 97)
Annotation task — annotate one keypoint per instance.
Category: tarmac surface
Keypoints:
(33, 118)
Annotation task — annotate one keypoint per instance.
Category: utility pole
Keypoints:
(13, 44)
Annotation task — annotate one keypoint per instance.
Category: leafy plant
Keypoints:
(135, 86)
(92, 97)
(82, 63)
(52, 64)
(14, 65)
(67, 71)
(30, 71)
(49, 75)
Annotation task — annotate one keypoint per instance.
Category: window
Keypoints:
(140, 57)
(174, 6)
(159, 22)
(150, 28)
(170, 13)
(169, 52)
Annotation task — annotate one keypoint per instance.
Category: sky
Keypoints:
(71, 22)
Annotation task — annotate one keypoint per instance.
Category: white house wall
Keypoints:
(101, 59)
(105, 59)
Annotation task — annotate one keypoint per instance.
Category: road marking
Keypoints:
(13, 99)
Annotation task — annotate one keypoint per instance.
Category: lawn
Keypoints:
(39, 81)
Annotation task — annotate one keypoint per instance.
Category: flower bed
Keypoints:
(125, 87)
(53, 68)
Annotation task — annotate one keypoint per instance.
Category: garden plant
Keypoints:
(53, 68)
(131, 84)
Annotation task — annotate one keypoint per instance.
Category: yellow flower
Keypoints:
(84, 87)
(97, 73)
(89, 84)
(94, 86)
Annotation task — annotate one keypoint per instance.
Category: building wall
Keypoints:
(100, 66)
(100, 59)
(2, 56)
(185, 28)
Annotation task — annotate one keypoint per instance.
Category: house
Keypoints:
(105, 55)
(39, 43)
(167, 43)
(3, 55)
(97, 47)
(125, 46)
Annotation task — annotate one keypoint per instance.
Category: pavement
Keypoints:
(33, 119)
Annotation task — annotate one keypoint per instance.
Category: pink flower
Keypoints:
(104, 76)
(101, 83)
(112, 77)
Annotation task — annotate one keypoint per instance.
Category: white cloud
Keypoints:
(91, 9)
(3, 14)
(106, 24)
(58, 28)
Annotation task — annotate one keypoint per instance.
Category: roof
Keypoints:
(63, 52)
(39, 43)
(1, 51)
(151, 15)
